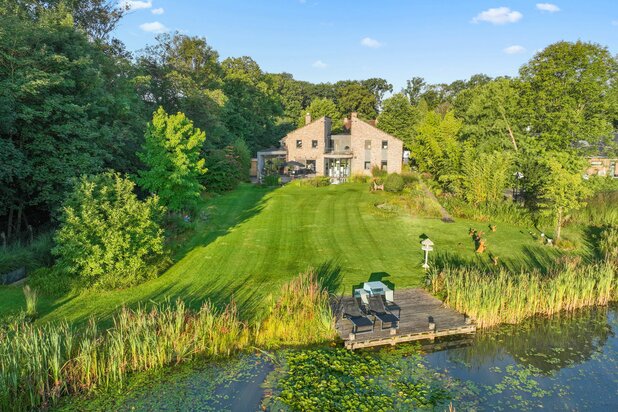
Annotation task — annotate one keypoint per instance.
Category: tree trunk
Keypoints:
(508, 127)
(9, 227)
(559, 225)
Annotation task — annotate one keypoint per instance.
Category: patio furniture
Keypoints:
(377, 288)
(352, 312)
(376, 308)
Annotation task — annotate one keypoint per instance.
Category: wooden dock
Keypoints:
(418, 310)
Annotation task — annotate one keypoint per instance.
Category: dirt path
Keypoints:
(446, 217)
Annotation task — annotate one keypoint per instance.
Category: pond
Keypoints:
(566, 362)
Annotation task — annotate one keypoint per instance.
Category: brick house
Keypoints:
(602, 166)
(354, 152)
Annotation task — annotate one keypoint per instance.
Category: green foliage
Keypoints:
(562, 191)
(227, 167)
(31, 297)
(67, 107)
(354, 97)
(376, 171)
(271, 180)
(344, 380)
(39, 364)
(505, 297)
(436, 149)
(252, 106)
(399, 118)
(600, 210)
(608, 244)
(32, 256)
(107, 237)
(394, 183)
(490, 115)
(566, 92)
(50, 281)
(318, 181)
(299, 315)
(173, 160)
(320, 108)
(485, 176)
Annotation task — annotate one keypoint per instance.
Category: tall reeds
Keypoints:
(32, 298)
(39, 364)
(491, 298)
(301, 314)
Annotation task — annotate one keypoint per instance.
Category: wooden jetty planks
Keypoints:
(417, 308)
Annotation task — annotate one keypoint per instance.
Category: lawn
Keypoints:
(254, 239)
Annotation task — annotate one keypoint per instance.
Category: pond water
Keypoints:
(566, 362)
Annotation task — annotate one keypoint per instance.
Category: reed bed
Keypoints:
(300, 315)
(491, 298)
(39, 364)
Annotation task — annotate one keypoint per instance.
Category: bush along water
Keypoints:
(39, 364)
(491, 298)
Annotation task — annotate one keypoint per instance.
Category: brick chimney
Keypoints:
(308, 118)
(354, 115)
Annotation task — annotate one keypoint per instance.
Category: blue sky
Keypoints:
(330, 40)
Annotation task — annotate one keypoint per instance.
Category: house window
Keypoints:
(367, 165)
(384, 165)
(384, 144)
(299, 144)
(311, 165)
(314, 144)
(367, 144)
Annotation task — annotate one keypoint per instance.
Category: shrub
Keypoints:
(271, 180)
(227, 167)
(50, 281)
(33, 256)
(376, 171)
(318, 181)
(107, 237)
(359, 178)
(394, 183)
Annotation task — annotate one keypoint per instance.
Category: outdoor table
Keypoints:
(378, 288)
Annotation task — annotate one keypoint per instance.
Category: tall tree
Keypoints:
(491, 115)
(356, 98)
(66, 109)
(436, 149)
(320, 108)
(566, 92)
(173, 160)
(399, 118)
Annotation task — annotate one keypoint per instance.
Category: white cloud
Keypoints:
(160, 10)
(319, 64)
(135, 4)
(549, 7)
(154, 27)
(515, 49)
(369, 42)
(500, 15)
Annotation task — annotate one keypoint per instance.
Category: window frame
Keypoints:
(299, 144)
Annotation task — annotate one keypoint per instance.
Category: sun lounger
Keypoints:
(352, 312)
(376, 308)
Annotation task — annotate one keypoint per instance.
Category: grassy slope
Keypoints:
(256, 239)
